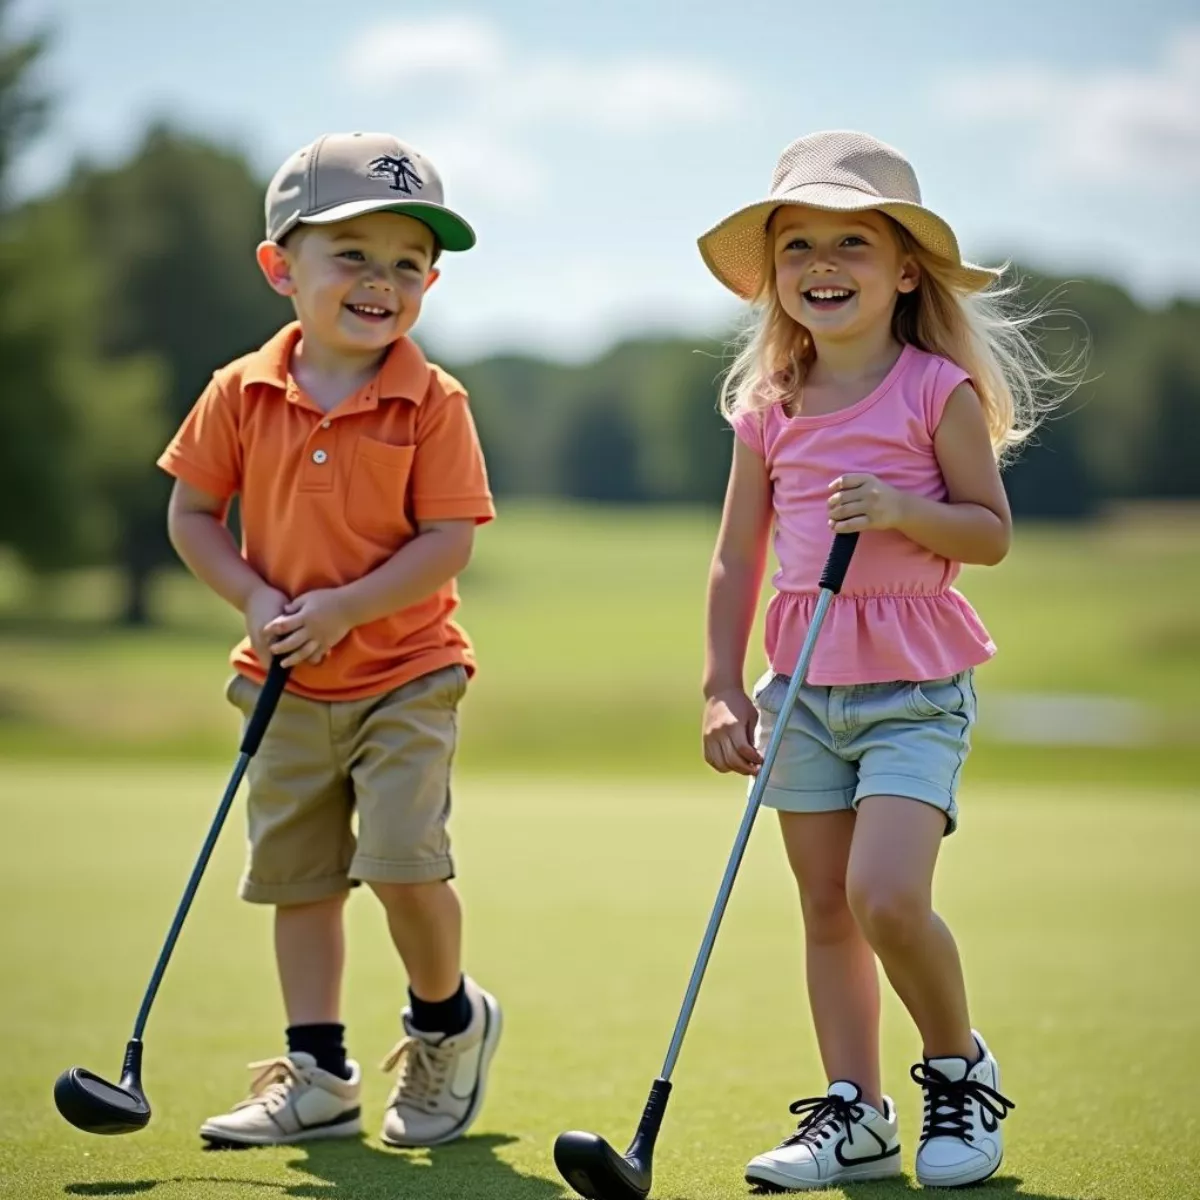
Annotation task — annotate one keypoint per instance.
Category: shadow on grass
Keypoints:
(906, 1185)
(356, 1170)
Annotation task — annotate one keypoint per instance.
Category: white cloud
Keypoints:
(393, 54)
(496, 83)
(488, 169)
(1114, 126)
(642, 95)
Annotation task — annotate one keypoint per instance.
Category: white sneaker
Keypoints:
(961, 1141)
(291, 1100)
(442, 1079)
(840, 1139)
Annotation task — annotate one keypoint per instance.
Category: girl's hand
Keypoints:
(310, 626)
(858, 501)
(265, 605)
(729, 722)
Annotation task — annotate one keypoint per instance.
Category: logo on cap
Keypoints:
(398, 170)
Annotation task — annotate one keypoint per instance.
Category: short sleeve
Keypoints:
(748, 425)
(449, 476)
(946, 376)
(206, 452)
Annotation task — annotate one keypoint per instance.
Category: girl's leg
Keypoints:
(889, 886)
(843, 985)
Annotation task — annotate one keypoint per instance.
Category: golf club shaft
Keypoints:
(831, 583)
(268, 698)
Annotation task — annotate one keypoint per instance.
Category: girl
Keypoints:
(876, 393)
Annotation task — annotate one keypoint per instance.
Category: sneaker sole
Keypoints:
(219, 1139)
(491, 1039)
(766, 1180)
(951, 1185)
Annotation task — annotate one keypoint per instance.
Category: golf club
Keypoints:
(585, 1160)
(86, 1100)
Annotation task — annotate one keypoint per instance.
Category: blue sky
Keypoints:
(590, 143)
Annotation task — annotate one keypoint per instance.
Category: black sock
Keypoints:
(449, 1017)
(324, 1042)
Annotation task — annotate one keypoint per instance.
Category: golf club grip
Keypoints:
(838, 562)
(264, 709)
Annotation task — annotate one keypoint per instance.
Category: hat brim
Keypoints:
(734, 250)
(452, 232)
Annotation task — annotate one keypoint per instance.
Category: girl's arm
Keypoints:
(974, 524)
(734, 581)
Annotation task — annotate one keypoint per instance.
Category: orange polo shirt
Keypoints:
(326, 497)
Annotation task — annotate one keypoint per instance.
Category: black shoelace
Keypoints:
(946, 1101)
(820, 1118)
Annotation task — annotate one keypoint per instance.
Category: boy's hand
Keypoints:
(265, 605)
(858, 501)
(729, 721)
(310, 626)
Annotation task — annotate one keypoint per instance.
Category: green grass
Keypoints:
(1075, 908)
(589, 628)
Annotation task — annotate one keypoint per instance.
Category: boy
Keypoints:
(361, 482)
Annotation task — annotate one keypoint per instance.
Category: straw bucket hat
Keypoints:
(840, 171)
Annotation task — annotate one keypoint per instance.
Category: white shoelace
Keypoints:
(273, 1083)
(423, 1071)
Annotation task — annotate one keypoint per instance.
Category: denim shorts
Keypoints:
(871, 739)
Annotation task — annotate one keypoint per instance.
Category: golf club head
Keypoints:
(596, 1171)
(97, 1106)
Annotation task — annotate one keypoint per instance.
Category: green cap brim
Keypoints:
(451, 231)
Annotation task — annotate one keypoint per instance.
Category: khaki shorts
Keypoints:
(387, 757)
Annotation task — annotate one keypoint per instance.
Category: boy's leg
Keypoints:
(425, 921)
(402, 749)
(300, 848)
(310, 953)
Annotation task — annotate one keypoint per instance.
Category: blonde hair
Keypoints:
(985, 333)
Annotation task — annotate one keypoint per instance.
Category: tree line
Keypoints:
(124, 287)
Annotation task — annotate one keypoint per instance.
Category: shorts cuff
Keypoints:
(908, 787)
(790, 800)
(306, 891)
(378, 870)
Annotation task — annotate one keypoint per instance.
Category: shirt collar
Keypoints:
(403, 374)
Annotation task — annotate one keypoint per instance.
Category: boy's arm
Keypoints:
(314, 623)
(196, 525)
(450, 497)
(439, 552)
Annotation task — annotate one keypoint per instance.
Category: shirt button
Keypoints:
(326, 424)
(319, 456)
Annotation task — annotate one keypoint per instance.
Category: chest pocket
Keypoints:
(377, 498)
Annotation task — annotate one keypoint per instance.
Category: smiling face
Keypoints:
(838, 274)
(357, 285)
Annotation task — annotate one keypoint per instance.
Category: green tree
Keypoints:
(1170, 469)
(598, 458)
(175, 230)
(38, 490)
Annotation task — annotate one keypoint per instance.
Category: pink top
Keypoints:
(897, 617)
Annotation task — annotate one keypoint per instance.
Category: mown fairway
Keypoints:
(1076, 908)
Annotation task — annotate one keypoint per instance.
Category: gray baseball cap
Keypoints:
(343, 175)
